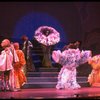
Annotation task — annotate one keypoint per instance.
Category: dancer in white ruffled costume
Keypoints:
(70, 59)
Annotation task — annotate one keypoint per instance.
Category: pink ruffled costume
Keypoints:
(69, 59)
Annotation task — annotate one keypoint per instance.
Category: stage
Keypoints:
(53, 93)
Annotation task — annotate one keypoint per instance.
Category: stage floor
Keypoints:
(47, 93)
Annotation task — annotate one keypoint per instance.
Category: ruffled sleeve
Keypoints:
(56, 55)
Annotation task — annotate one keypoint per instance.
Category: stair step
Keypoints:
(37, 61)
(51, 82)
(34, 54)
(51, 69)
(46, 74)
(42, 74)
(51, 79)
(42, 79)
(48, 84)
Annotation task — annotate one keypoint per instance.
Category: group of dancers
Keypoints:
(72, 57)
(13, 62)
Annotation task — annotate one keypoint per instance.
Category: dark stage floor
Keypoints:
(52, 93)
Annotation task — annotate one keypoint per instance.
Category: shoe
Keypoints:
(19, 89)
(13, 90)
(7, 89)
(2, 89)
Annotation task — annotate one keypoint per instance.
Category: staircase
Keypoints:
(47, 78)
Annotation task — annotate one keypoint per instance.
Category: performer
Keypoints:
(18, 68)
(70, 59)
(74, 45)
(94, 76)
(48, 37)
(77, 44)
(7, 58)
(27, 49)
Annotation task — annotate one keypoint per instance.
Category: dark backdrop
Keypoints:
(77, 19)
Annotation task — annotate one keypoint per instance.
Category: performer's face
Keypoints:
(5, 43)
(47, 33)
(16, 46)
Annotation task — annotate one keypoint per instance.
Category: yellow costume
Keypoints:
(94, 76)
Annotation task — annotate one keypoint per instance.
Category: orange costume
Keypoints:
(94, 76)
(18, 68)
